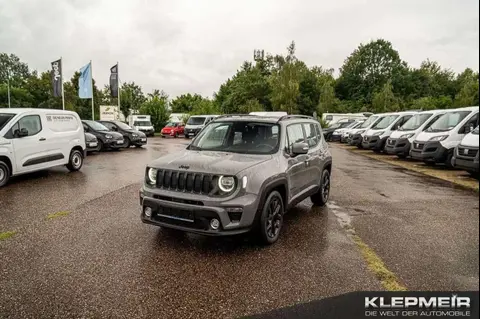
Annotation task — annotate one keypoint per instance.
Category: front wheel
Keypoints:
(76, 161)
(127, 142)
(449, 160)
(271, 220)
(4, 173)
(320, 198)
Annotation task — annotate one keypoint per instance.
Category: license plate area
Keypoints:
(119, 142)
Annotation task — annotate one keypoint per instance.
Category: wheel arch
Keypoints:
(7, 161)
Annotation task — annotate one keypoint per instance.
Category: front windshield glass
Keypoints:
(369, 121)
(385, 122)
(415, 122)
(171, 124)
(142, 123)
(475, 131)
(5, 118)
(238, 137)
(122, 125)
(97, 126)
(448, 121)
(195, 120)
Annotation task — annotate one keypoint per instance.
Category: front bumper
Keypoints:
(114, 144)
(92, 146)
(466, 161)
(191, 132)
(355, 139)
(399, 146)
(139, 141)
(344, 139)
(193, 212)
(428, 152)
(373, 142)
(148, 132)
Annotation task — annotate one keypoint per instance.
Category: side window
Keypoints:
(319, 132)
(311, 134)
(31, 123)
(294, 135)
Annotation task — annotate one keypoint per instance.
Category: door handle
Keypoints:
(42, 139)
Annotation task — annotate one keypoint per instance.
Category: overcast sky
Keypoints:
(195, 45)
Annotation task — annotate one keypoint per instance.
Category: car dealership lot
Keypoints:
(98, 260)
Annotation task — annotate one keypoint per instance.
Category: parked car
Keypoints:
(328, 132)
(437, 143)
(241, 173)
(339, 133)
(356, 135)
(37, 139)
(196, 123)
(466, 154)
(91, 142)
(174, 129)
(130, 136)
(106, 139)
(142, 123)
(376, 137)
(400, 140)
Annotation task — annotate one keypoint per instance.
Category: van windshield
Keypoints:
(385, 122)
(195, 120)
(142, 123)
(448, 121)
(415, 122)
(369, 121)
(5, 118)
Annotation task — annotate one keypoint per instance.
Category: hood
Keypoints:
(399, 134)
(116, 135)
(221, 163)
(470, 140)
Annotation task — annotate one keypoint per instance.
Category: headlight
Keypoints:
(226, 183)
(407, 135)
(439, 138)
(108, 136)
(378, 133)
(152, 176)
(135, 135)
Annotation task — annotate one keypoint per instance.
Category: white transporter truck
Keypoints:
(466, 154)
(37, 139)
(142, 123)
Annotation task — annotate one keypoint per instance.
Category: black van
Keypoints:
(106, 139)
(130, 136)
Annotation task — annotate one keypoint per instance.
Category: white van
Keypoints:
(466, 154)
(437, 143)
(332, 118)
(196, 123)
(356, 135)
(376, 137)
(37, 139)
(400, 141)
(142, 123)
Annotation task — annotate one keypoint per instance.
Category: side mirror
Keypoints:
(114, 128)
(22, 132)
(299, 148)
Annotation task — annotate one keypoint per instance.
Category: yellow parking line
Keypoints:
(7, 234)
(56, 215)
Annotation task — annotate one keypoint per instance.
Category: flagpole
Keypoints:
(8, 86)
(91, 83)
(118, 89)
(61, 78)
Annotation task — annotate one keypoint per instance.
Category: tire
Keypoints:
(175, 135)
(75, 162)
(138, 146)
(472, 174)
(271, 219)
(163, 136)
(4, 173)
(128, 143)
(448, 161)
(321, 197)
(100, 146)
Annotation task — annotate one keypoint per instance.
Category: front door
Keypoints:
(296, 172)
(30, 151)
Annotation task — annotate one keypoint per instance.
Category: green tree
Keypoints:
(327, 103)
(385, 100)
(157, 107)
(16, 70)
(468, 95)
(131, 98)
(185, 103)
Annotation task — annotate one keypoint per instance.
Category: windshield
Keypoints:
(96, 126)
(475, 131)
(369, 121)
(142, 123)
(415, 122)
(122, 125)
(385, 122)
(352, 125)
(238, 137)
(5, 118)
(448, 121)
(171, 124)
(194, 120)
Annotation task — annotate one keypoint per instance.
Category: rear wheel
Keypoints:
(271, 220)
(4, 173)
(321, 197)
(76, 161)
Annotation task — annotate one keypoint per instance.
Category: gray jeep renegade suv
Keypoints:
(241, 173)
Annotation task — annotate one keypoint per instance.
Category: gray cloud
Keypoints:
(193, 46)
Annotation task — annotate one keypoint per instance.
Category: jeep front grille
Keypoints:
(185, 181)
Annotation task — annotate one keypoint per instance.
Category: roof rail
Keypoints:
(286, 117)
(232, 115)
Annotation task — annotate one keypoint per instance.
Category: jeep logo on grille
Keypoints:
(184, 166)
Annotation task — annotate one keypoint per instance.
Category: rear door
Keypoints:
(313, 165)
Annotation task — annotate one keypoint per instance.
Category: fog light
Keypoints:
(148, 211)
(214, 223)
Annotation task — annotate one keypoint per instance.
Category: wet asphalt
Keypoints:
(101, 261)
